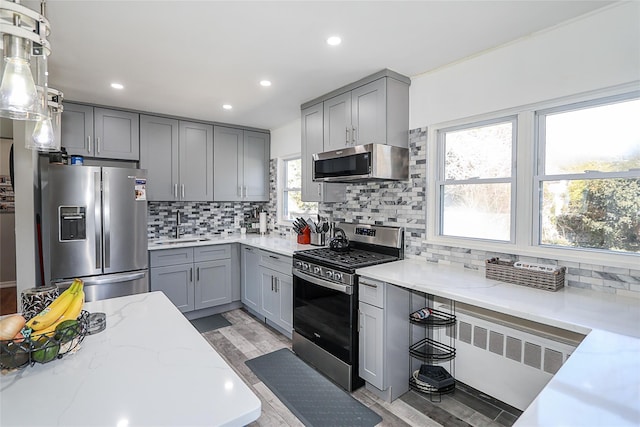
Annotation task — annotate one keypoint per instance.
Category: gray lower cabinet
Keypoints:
(251, 281)
(176, 281)
(277, 297)
(178, 156)
(312, 142)
(383, 312)
(241, 165)
(100, 132)
(267, 286)
(194, 278)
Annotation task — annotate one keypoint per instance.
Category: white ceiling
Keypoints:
(187, 58)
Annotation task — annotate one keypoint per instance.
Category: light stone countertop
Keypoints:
(599, 385)
(149, 367)
(268, 242)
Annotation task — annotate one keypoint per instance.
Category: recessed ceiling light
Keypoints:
(117, 86)
(334, 41)
(227, 106)
(265, 83)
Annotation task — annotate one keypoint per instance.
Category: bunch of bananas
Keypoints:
(66, 307)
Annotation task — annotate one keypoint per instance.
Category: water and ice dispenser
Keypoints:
(72, 223)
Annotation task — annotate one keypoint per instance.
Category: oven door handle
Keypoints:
(345, 289)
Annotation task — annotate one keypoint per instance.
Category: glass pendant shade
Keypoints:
(46, 134)
(18, 94)
(43, 138)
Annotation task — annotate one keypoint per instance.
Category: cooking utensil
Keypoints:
(325, 227)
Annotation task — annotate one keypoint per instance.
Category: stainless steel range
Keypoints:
(325, 292)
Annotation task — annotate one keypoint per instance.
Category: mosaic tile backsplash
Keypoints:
(399, 204)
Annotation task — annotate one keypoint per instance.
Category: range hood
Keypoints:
(362, 163)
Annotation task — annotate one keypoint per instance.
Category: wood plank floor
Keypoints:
(247, 338)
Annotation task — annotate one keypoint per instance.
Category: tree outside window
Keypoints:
(589, 176)
(476, 180)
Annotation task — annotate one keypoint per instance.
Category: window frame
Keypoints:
(540, 175)
(527, 151)
(441, 181)
(282, 187)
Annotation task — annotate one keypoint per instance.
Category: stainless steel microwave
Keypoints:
(369, 162)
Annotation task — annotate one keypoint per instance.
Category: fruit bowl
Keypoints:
(43, 348)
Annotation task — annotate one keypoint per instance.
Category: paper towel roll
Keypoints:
(263, 222)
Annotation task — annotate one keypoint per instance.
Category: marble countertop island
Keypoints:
(149, 367)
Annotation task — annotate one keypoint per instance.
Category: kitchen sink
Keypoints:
(181, 240)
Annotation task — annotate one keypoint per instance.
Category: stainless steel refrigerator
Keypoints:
(94, 225)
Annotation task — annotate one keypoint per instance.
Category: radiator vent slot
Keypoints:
(496, 343)
(532, 355)
(465, 332)
(514, 349)
(552, 360)
(480, 337)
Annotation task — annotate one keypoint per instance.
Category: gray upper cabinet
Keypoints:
(159, 156)
(312, 142)
(337, 123)
(178, 156)
(195, 161)
(357, 117)
(241, 165)
(100, 132)
(372, 110)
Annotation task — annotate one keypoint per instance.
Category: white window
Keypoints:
(292, 204)
(476, 180)
(588, 175)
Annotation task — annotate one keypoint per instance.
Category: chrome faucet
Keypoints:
(178, 224)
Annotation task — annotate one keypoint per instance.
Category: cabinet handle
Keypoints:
(197, 274)
(319, 190)
(274, 257)
(354, 135)
(88, 145)
(359, 322)
(98, 144)
(175, 191)
(191, 274)
(182, 190)
(371, 285)
(246, 248)
(271, 283)
(346, 136)
(276, 280)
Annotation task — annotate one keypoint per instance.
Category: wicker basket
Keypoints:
(506, 272)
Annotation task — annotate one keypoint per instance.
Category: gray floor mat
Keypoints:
(314, 399)
(209, 323)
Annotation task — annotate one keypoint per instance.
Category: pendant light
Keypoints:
(24, 43)
(18, 94)
(46, 134)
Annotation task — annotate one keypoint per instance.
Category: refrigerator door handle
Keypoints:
(106, 221)
(98, 219)
(105, 280)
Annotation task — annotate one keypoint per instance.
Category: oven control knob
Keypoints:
(330, 274)
(317, 270)
(337, 276)
(298, 264)
(305, 266)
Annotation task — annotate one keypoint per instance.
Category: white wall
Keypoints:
(285, 140)
(599, 50)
